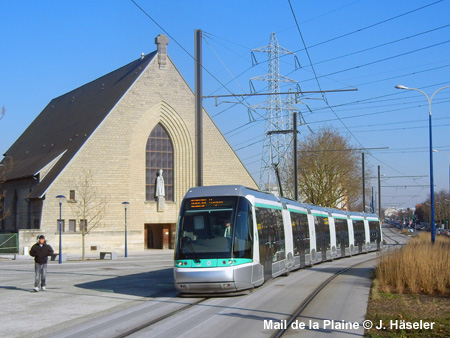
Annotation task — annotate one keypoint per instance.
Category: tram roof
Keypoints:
(240, 190)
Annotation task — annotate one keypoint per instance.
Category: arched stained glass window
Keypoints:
(159, 155)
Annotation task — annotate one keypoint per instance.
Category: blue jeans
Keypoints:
(40, 274)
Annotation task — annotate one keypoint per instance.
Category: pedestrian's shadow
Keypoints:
(146, 284)
(14, 288)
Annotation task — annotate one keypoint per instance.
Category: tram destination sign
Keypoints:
(211, 202)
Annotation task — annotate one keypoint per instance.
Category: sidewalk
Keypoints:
(93, 256)
(79, 290)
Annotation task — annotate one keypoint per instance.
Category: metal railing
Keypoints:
(9, 243)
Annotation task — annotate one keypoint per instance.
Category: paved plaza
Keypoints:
(78, 290)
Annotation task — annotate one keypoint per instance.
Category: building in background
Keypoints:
(111, 136)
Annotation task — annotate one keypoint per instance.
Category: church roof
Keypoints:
(65, 124)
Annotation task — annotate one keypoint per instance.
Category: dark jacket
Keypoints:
(41, 253)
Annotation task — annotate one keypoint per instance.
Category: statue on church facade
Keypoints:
(160, 191)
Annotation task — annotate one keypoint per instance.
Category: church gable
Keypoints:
(67, 122)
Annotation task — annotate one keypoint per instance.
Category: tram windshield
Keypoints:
(215, 227)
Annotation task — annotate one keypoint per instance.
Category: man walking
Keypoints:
(40, 251)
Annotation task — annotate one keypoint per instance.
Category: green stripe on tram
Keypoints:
(298, 211)
(211, 263)
(268, 206)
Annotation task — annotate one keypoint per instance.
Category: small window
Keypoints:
(72, 225)
(62, 225)
(83, 223)
(72, 195)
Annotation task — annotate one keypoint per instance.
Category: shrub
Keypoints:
(417, 267)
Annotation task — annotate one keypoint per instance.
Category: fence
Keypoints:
(9, 243)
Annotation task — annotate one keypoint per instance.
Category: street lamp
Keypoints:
(60, 199)
(125, 205)
(448, 156)
(429, 99)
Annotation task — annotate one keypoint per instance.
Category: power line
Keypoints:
(184, 49)
(374, 113)
(381, 45)
(365, 101)
(341, 36)
(377, 61)
(373, 25)
(323, 95)
(162, 28)
(315, 75)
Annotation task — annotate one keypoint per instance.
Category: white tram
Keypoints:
(232, 238)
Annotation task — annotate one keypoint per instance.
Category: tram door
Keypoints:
(265, 257)
(360, 235)
(300, 231)
(341, 234)
(322, 235)
(271, 240)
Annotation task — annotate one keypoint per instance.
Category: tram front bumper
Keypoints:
(204, 280)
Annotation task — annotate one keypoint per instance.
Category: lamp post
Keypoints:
(60, 199)
(448, 156)
(429, 99)
(126, 204)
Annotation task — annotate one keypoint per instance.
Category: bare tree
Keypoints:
(89, 206)
(329, 170)
(441, 208)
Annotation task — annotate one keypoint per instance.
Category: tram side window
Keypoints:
(300, 232)
(243, 238)
(341, 233)
(374, 228)
(322, 233)
(271, 231)
(359, 233)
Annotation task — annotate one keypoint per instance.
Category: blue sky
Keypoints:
(52, 47)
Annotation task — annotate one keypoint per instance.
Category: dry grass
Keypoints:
(410, 308)
(417, 267)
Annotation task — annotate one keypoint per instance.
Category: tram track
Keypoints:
(303, 306)
(312, 296)
(139, 322)
(158, 319)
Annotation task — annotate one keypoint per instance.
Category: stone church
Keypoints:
(108, 140)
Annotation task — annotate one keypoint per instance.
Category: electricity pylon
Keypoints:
(278, 114)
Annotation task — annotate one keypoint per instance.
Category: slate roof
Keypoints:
(67, 122)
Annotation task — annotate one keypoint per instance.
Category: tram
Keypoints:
(232, 238)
